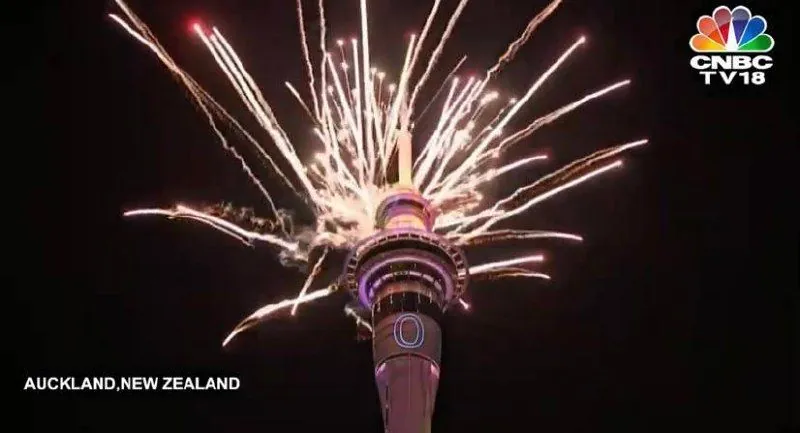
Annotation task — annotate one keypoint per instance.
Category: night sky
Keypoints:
(672, 315)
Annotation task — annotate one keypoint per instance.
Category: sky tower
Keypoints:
(404, 278)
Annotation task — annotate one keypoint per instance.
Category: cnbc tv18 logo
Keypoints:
(731, 47)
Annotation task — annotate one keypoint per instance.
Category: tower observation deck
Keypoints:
(406, 276)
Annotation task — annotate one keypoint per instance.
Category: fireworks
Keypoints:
(358, 118)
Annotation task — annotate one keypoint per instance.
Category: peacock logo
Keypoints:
(727, 31)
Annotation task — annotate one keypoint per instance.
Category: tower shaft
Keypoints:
(407, 352)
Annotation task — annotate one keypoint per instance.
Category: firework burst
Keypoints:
(362, 122)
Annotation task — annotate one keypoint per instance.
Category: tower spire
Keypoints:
(404, 159)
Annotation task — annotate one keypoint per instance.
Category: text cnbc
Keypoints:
(731, 47)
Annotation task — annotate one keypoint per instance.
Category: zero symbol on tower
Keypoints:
(419, 331)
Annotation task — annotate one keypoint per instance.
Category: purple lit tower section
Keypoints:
(405, 277)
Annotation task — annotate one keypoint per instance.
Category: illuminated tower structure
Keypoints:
(405, 277)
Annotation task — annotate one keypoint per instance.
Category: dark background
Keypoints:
(673, 315)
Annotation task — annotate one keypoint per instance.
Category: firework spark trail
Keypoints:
(571, 168)
(442, 86)
(460, 170)
(203, 100)
(422, 36)
(310, 279)
(496, 214)
(538, 123)
(486, 267)
(265, 114)
(510, 272)
(359, 320)
(357, 122)
(435, 55)
(437, 149)
(233, 215)
(354, 99)
(565, 174)
(477, 180)
(307, 57)
(512, 50)
(203, 220)
(299, 99)
(399, 107)
(323, 84)
(550, 117)
(349, 116)
(366, 66)
(267, 310)
(423, 159)
(181, 211)
(424, 33)
(225, 64)
(510, 53)
(463, 221)
(510, 234)
(544, 196)
(345, 66)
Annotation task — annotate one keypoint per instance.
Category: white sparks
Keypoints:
(358, 113)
